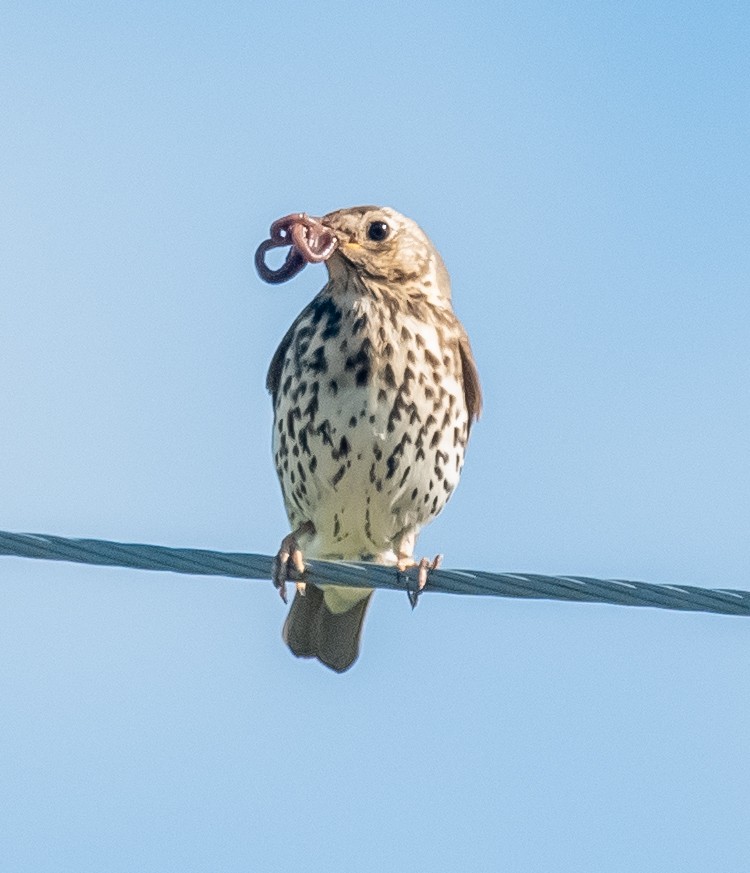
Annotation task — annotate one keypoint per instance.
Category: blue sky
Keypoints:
(583, 169)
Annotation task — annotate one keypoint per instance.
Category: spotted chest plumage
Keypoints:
(370, 417)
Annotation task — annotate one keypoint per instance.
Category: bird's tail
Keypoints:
(332, 635)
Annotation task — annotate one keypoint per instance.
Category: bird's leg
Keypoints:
(406, 561)
(288, 560)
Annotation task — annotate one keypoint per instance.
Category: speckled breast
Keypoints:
(370, 421)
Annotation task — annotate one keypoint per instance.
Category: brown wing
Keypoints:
(472, 388)
(273, 379)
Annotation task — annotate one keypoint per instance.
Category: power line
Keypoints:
(202, 562)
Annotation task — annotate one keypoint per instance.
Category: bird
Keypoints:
(375, 390)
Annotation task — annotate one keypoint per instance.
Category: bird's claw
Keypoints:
(424, 567)
(288, 563)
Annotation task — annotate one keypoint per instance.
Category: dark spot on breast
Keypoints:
(325, 307)
(311, 410)
(394, 459)
(333, 325)
(388, 376)
(353, 421)
(431, 359)
(361, 357)
(343, 449)
(359, 324)
(321, 306)
(303, 440)
(299, 391)
(331, 330)
(317, 362)
(338, 475)
(361, 362)
(324, 431)
(333, 387)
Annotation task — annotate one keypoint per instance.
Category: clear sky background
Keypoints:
(583, 168)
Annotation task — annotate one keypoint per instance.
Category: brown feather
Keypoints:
(273, 379)
(472, 388)
(311, 630)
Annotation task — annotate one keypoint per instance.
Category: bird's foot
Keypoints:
(424, 567)
(288, 562)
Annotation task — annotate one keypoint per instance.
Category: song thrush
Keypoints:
(374, 391)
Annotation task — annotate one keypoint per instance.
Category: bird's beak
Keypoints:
(344, 243)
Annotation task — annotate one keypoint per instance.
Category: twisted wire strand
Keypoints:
(203, 562)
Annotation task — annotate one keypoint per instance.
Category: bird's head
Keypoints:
(375, 243)
(382, 245)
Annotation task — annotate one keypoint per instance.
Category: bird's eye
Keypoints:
(378, 231)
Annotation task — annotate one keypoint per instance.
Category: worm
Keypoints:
(309, 241)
